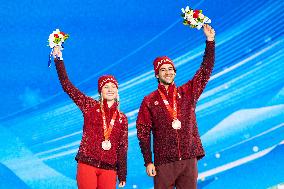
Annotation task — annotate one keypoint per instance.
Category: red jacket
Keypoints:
(170, 144)
(90, 150)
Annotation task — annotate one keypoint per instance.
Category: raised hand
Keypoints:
(209, 32)
(57, 52)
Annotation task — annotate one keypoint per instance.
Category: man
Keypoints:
(169, 112)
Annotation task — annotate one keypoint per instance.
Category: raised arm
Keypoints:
(203, 74)
(80, 99)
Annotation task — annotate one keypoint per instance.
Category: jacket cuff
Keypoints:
(121, 178)
(210, 42)
(57, 60)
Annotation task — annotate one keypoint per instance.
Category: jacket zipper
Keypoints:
(178, 140)
(102, 153)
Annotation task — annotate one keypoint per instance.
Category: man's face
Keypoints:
(166, 74)
(109, 91)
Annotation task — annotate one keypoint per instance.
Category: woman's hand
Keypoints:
(57, 52)
(121, 184)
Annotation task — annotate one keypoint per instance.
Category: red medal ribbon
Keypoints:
(108, 127)
(171, 110)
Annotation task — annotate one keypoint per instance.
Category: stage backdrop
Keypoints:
(240, 114)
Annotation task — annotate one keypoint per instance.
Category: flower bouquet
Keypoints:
(56, 38)
(194, 18)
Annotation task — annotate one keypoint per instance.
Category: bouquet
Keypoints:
(194, 18)
(56, 38)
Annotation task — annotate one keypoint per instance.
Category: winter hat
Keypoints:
(159, 61)
(105, 79)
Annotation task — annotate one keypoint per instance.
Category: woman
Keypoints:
(102, 153)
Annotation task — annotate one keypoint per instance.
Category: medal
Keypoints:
(106, 144)
(176, 124)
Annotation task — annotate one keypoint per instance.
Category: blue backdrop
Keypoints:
(240, 114)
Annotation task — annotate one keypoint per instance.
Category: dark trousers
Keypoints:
(180, 174)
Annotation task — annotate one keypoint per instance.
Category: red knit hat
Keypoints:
(159, 61)
(105, 79)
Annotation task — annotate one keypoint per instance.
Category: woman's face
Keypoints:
(109, 91)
